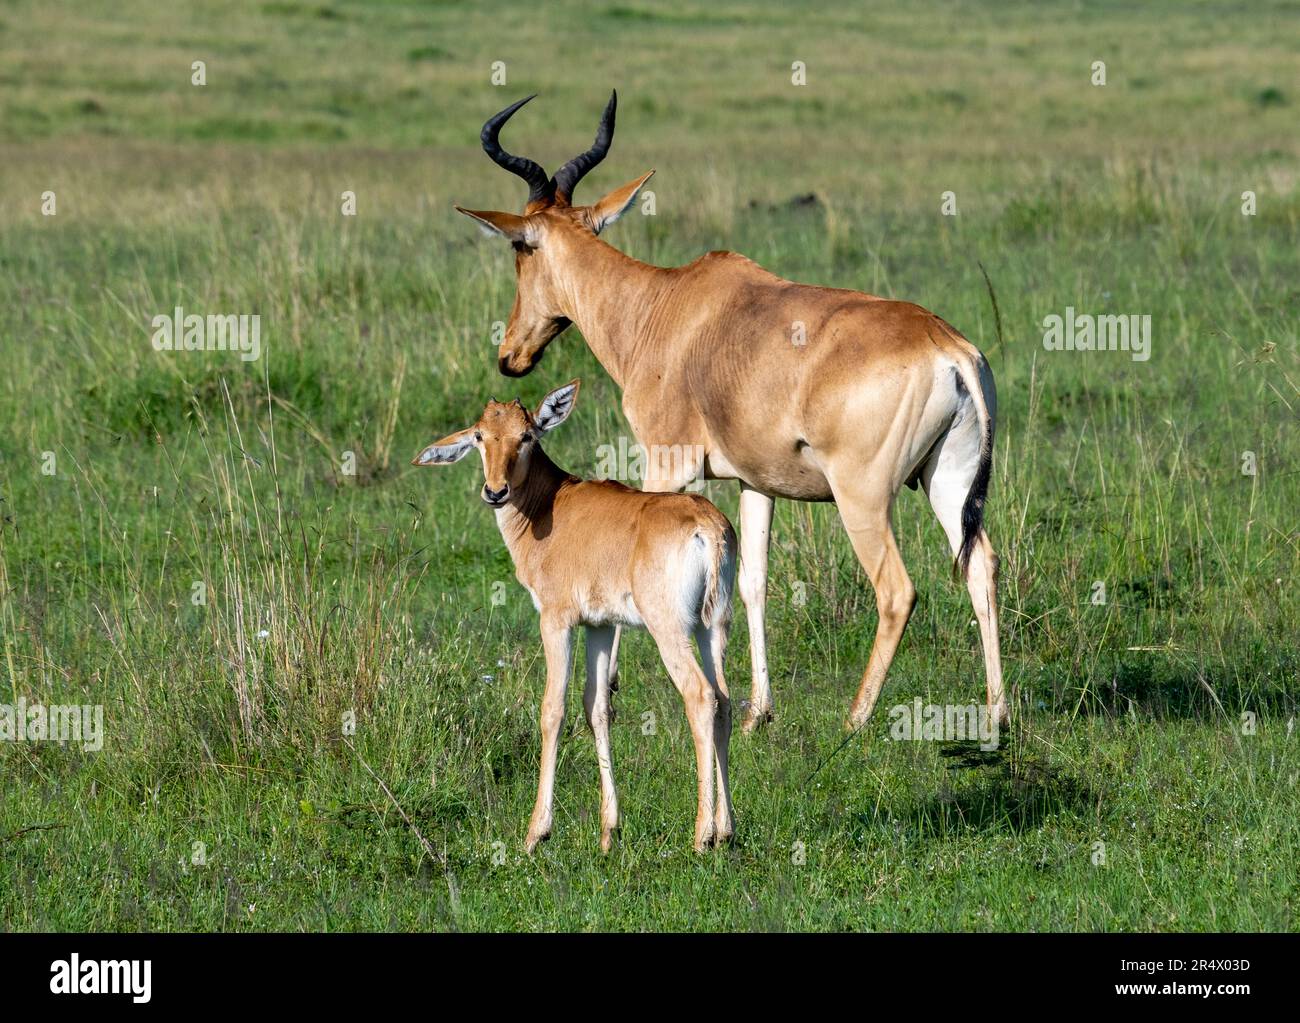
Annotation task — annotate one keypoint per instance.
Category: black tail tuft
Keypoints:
(972, 512)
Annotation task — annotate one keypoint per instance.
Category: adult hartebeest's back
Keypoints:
(810, 393)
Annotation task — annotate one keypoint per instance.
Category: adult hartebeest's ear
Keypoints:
(507, 225)
(603, 213)
(556, 406)
(450, 449)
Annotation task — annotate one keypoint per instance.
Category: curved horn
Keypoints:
(539, 186)
(567, 177)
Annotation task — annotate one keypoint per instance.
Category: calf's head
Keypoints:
(547, 237)
(505, 435)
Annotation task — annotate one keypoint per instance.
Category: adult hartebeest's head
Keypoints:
(546, 236)
(505, 435)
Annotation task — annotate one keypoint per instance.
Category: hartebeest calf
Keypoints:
(810, 393)
(599, 554)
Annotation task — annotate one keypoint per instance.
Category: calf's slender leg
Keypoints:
(556, 635)
(595, 699)
(701, 714)
(713, 645)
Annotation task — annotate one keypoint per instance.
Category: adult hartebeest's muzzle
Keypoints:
(496, 498)
(508, 365)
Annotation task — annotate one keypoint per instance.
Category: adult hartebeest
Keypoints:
(599, 554)
(810, 393)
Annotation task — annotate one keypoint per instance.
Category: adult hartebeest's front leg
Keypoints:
(755, 540)
(555, 638)
(615, 643)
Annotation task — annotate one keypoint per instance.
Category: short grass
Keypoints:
(1151, 778)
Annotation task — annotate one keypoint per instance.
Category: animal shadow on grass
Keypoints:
(1015, 791)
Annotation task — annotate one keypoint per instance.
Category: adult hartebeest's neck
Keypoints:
(612, 298)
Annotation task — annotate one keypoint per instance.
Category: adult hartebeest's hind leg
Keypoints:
(867, 515)
(595, 700)
(947, 478)
(755, 540)
(555, 639)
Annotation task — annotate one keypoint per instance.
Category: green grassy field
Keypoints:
(371, 592)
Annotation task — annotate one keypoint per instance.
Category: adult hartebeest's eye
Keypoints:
(478, 437)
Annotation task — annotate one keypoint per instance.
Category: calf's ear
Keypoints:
(450, 449)
(556, 406)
